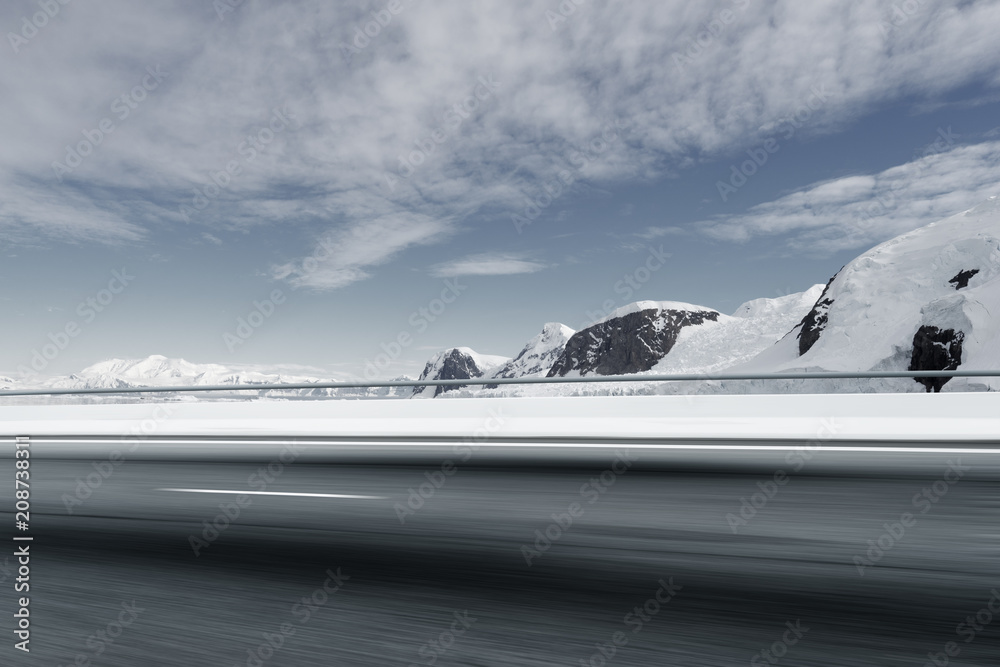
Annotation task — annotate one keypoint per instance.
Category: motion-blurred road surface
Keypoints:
(618, 562)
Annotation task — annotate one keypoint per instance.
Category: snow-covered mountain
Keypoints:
(732, 339)
(539, 354)
(658, 337)
(160, 371)
(462, 363)
(457, 363)
(632, 339)
(926, 300)
(673, 337)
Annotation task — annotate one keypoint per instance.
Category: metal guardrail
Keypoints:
(691, 377)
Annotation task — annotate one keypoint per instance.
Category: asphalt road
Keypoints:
(641, 565)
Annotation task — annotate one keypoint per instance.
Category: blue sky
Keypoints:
(865, 119)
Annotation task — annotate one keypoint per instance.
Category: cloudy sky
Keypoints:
(352, 161)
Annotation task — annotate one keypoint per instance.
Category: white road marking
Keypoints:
(276, 493)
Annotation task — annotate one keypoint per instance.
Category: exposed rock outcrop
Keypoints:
(457, 363)
(814, 322)
(936, 349)
(961, 280)
(632, 342)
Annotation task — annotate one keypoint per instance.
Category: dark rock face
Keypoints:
(935, 349)
(454, 366)
(962, 279)
(632, 343)
(814, 322)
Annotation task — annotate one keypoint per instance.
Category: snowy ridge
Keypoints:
(754, 327)
(633, 341)
(875, 307)
(457, 363)
(160, 371)
(780, 306)
(641, 306)
(538, 355)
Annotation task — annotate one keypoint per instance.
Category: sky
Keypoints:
(347, 188)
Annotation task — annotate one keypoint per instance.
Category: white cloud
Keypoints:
(651, 233)
(344, 255)
(859, 211)
(487, 264)
(30, 212)
(556, 90)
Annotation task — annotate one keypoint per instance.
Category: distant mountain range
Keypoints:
(159, 371)
(926, 300)
(643, 337)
